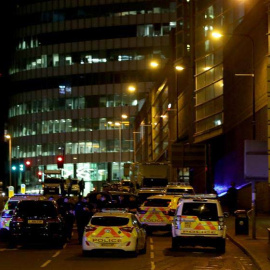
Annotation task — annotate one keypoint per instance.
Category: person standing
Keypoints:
(232, 198)
(82, 186)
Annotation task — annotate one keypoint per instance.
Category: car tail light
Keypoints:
(127, 229)
(220, 223)
(52, 220)
(17, 219)
(177, 222)
(128, 244)
(90, 229)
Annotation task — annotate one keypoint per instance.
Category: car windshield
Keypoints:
(144, 196)
(109, 221)
(157, 202)
(204, 211)
(180, 191)
(36, 208)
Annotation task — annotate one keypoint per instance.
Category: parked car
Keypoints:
(37, 221)
(199, 220)
(114, 230)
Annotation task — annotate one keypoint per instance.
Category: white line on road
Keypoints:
(153, 266)
(151, 240)
(46, 263)
(152, 255)
(56, 254)
(152, 247)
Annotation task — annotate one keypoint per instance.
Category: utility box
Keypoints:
(241, 222)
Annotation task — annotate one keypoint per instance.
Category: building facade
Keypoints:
(74, 63)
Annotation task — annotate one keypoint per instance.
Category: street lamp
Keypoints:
(252, 74)
(8, 137)
(119, 124)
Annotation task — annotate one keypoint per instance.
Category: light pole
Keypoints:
(8, 137)
(119, 124)
(252, 74)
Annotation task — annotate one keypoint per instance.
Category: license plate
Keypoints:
(35, 221)
(187, 224)
(107, 245)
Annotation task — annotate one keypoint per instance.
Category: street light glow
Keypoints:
(131, 88)
(124, 116)
(179, 68)
(216, 34)
(154, 64)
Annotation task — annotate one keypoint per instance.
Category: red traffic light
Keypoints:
(28, 164)
(60, 161)
(39, 175)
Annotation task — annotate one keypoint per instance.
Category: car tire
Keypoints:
(221, 246)
(175, 243)
(143, 251)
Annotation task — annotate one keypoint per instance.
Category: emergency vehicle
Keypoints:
(179, 189)
(199, 221)
(10, 206)
(157, 212)
(114, 230)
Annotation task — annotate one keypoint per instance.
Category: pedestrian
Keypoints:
(82, 186)
(69, 185)
(133, 205)
(121, 203)
(82, 216)
(67, 212)
(100, 202)
(232, 198)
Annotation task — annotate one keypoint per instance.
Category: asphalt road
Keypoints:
(159, 256)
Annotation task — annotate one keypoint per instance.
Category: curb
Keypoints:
(245, 251)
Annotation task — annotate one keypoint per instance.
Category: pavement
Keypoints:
(255, 242)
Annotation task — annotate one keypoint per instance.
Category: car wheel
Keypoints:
(143, 251)
(174, 243)
(221, 246)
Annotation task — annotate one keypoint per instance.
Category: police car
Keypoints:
(179, 189)
(10, 206)
(157, 212)
(199, 221)
(114, 229)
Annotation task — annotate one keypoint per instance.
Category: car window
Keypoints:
(36, 208)
(109, 221)
(157, 202)
(204, 211)
(150, 182)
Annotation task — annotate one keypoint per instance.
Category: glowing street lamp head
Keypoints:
(124, 116)
(8, 136)
(117, 124)
(154, 64)
(216, 34)
(131, 88)
(179, 68)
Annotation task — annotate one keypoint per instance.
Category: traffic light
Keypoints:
(39, 176)
(60, 161)
(28, 165)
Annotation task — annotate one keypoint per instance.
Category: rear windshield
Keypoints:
(36, 208)
(144, 196)
(53, 181)
(12, 205)
(157, 202)
(109, 221)
(204, 211)
(154, 182)
(180, 190)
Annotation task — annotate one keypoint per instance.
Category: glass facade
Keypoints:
(70, 73)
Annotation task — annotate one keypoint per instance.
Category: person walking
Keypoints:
(132, 204)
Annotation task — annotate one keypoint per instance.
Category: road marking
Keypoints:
(152, 247)
(46, 263)
(152, 255)
(151, 240)
(56, 254)
(153, 266)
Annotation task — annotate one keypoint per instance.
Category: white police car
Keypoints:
(199, 221)
(114, 230)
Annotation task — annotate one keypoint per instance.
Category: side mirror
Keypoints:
(226, 214)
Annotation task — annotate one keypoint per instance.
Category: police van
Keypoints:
(199, 221)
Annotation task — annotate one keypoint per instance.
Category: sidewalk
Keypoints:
(258, 249)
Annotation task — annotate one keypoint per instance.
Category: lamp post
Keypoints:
(252, 75)
(8, 137)
(119, 124)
